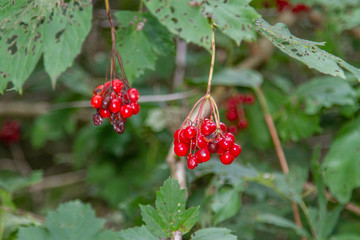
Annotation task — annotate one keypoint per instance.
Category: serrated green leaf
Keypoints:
(189, 219)
(13, 222)
(213, 234)
(226, 204)
(342, 162)
(326, 92)
(281, 222)
(241, 78)
(141, 40)
(11, 181)
(64, 35)
(305, 51)
(293, 124)
(234, 18)
(136, 233)
(182, 19)
(153, 221)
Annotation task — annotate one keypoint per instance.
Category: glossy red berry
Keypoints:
(115, 106)
(104, 113)
(231, 115)
(96, 101)
(201, 142)
(226, 143)
(221, 151)
(190, 132)
(203, 155)
(183, 138)
(126, 111)
(193, 145)
(226, 158)
(235, 150)
(230, 135)
(117, 85)
(191, 161)
(133, 94)
(135, 107)
(208, 128)
(223, 127)
(181, 149)
(243, 124)
(213, 147)
(177, 135)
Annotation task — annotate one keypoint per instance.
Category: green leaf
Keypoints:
(213, 234)
(342, 162)
(170, 214)
(31, 233)
(281, 222)
(325, 222)
(182, 19)
(234, 18)
(348, 236)
(293, 124)
(141, 40)
(11, 181)
(326, 92)
(13, 222)
(305, 51)
(64, 36)
(226, 204)
(241, 78)
(136, 233)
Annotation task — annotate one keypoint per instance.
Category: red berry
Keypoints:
(10, 132)
(243, 123)
(226, 158)
(115, 106)
(136, 107)
(98, 89)
(233, 129)
(213, 147)
(126, 111)
(282, 5)
(190, 132)
(177, 135)
(230, 135)
(249, 99)
(183, 139)
(201, 142)
(208, 128)
(133, 94)
(203, 155)
(223, 127)
(231, 115)
(117, 85)
(226, 143)
(106, 102)
(191, 161)
(181, 149)
(300, 8)
(240, 98)
(96, 101)
(105, 113)
(107, 84)
(193, 144)
(235, 150)
(221, 151)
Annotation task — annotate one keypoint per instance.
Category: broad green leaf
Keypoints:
(153, 221)
(213, 234)
(293, 124)
(183, 18)
(13, 222)
(11, 181)
(326, 92)
(141, 40)
(241, 78)
(305, 51)
(32, 233)
(64, 36)
(170, 214)
(226, 203)
(348, 236)
(235, 18)
(324, 225)
(329, 3)
(342, 162)
(281, 222)
(136, 233)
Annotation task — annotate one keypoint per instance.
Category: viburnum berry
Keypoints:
(203, 155)
(235, 150)
(181, 149)
(227, 158)
(190, 132)
(213, 147)
(192, 161)
(117, 101)
(225, 143)
(10, 132)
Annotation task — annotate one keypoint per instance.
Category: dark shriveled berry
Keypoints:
(106, 102)
(97, 119)
(119, 126)
(213, 147)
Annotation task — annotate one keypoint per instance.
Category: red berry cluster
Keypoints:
(235, 111)
(10, 132)
(116, 101)
(285, 4)
(201, 138)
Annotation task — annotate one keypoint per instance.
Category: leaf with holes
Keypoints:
(305, 51)
(170, 214)
(235, 18)
(342, 162)
(326, 92)
(213, 234)
(64, 36)
(184, 19)
(141, 40)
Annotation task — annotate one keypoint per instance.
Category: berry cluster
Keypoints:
(235, 111)
(200, 138)
(10, 132)
(285, 4)
(116, 101)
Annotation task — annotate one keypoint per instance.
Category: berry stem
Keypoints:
(212, 61)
